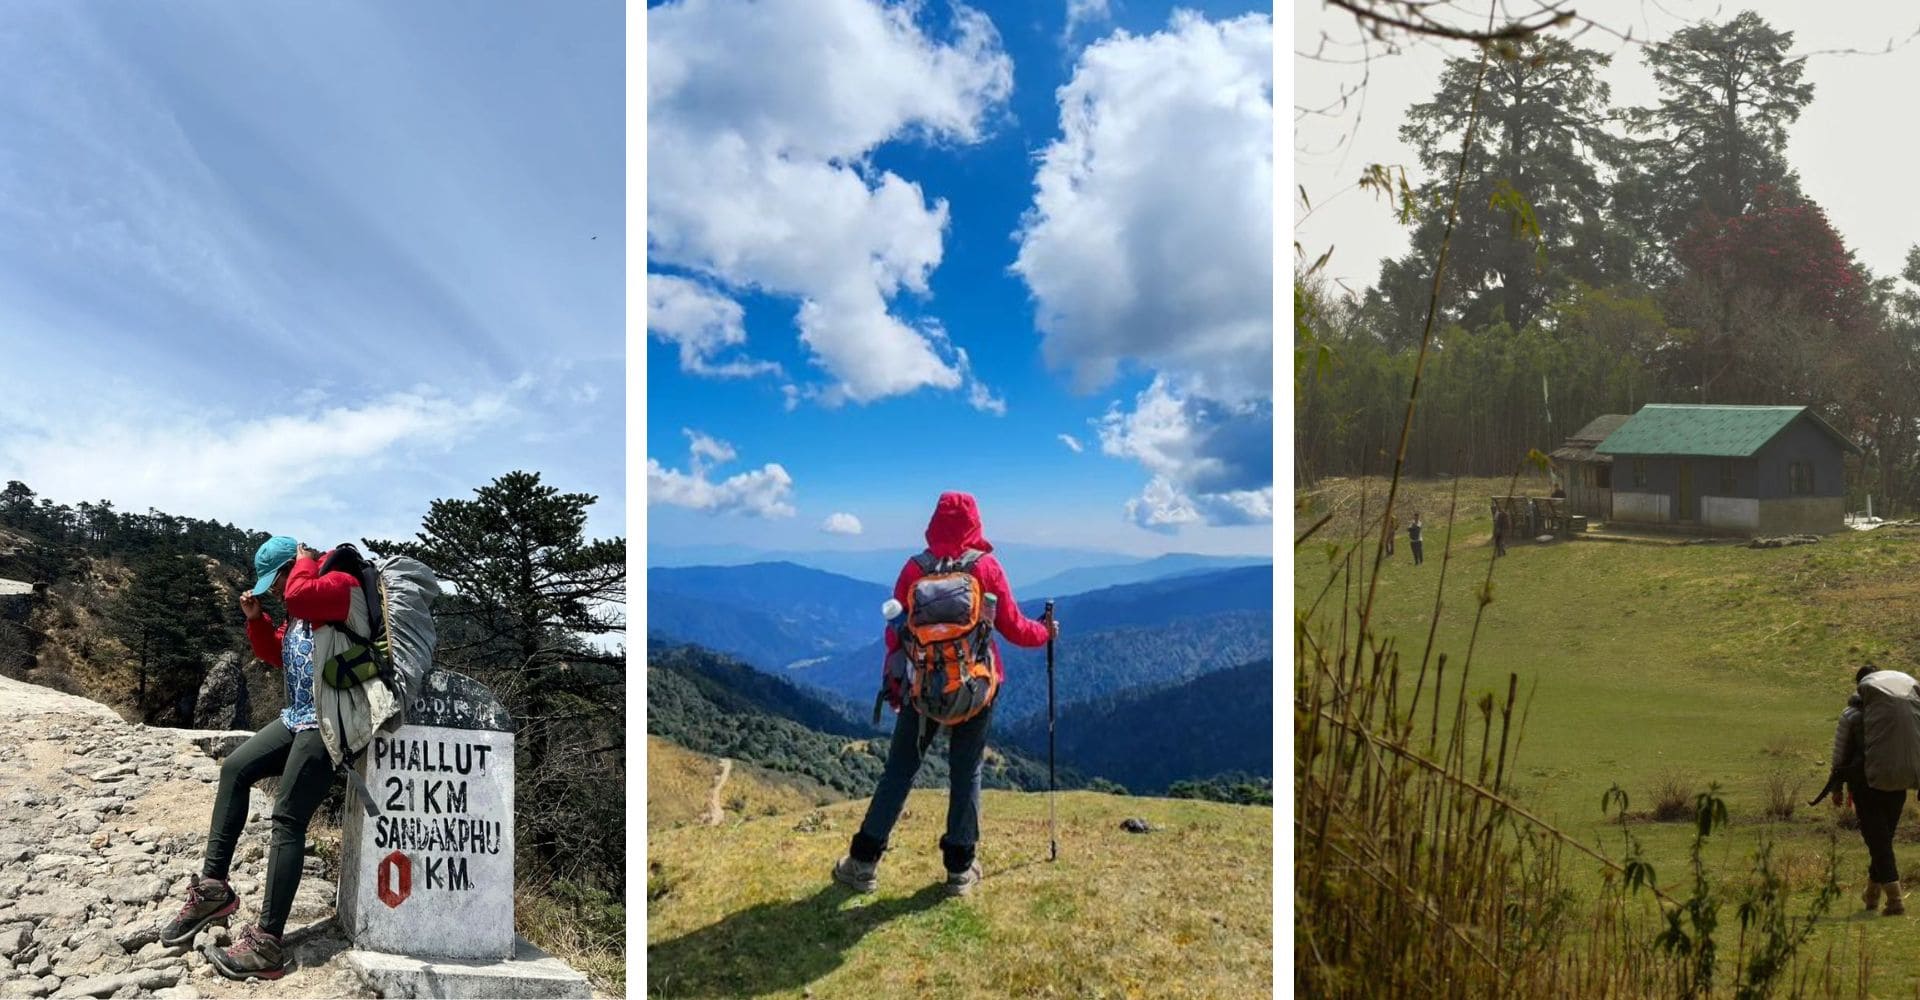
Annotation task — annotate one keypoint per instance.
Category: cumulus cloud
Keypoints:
(703, 323)
(1211, 460)
(1071, 442)
(762, 493)
(841, 524)
(250, 471)
(761, 121)
(1142, 260)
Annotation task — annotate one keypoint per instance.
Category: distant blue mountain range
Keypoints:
(1037, 570)
(823, 630)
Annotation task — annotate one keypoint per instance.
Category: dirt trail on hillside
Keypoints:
(714, 814)
(102, 825)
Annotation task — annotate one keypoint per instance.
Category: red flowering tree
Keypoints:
(1783, 247)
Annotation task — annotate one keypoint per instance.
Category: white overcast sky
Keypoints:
(1854, 144)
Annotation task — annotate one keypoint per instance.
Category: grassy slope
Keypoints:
(679, 782)
(747, 909)
(1719, 663)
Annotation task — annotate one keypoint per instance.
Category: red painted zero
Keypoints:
(395, 877)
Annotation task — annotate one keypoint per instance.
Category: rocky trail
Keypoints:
(102, 824)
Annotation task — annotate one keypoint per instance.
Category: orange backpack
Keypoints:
(948, 640)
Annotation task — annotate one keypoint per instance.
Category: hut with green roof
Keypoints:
(1740, 470)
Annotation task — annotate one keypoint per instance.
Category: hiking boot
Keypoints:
(1896, 900)
(962, 882)
(209, 900)
(860, 876)
(1871, 897)
(256, 955)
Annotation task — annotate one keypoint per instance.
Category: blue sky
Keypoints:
(881, 267)
(308, 266)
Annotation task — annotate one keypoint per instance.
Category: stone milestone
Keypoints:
(432, 874)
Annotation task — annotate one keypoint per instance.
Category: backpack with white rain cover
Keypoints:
(944, 666)
(398, 645)
(1890, 716)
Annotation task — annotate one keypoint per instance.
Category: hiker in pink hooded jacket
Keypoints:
(954, 529)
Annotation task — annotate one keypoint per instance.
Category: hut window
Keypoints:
(1603, 477)
(1639, 472)
(1800, 478)
(1726, 479)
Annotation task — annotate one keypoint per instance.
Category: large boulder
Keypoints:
(223, 701)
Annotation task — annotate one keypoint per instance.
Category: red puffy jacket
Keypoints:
(955, 528)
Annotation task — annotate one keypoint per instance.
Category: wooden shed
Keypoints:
(1744, 470)
(1588, 476)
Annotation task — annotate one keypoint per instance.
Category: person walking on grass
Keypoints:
(1393, 528)
(1413, 539)
(1873, 757)
(1501, 525)
(290, 748)
(934, 585)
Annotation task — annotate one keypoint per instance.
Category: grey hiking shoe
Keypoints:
(860, 876)
(209, 900)
(256, 955)
(962, 883)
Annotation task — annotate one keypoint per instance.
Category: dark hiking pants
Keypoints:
(1879, 814)
(966, 753)
(305, 771)
(1418, 558)
(1499, 544)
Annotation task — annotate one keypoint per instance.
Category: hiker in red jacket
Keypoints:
(954, 544)
(290, 748)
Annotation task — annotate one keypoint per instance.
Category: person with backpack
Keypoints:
(1876, 758)
(290, 748)
(1502, 523)
(943, 670)
(1413, 539)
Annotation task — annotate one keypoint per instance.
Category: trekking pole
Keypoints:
(1053, 842)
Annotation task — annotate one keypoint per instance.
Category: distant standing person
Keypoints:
(1413, 539)
(1501, 525)
(1393, 528)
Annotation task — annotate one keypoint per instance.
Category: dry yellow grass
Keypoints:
(749, 909)
(680, 785)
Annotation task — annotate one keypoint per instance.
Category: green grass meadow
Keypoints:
(1644, 664)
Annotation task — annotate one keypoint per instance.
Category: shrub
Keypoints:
(1672, 796)
(1783, 789)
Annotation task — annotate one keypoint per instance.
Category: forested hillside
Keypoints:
(688, 703)
(1216, 723)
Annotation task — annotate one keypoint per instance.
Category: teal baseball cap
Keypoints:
(274, 555)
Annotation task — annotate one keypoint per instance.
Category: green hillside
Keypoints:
(689, 703)
(748, 909)
(1655, 665)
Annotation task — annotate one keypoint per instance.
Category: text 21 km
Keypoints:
(434, 796)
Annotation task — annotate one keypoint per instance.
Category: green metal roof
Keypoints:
(1708, 431)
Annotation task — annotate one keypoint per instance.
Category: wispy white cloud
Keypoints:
(1083, 14)
(841, 524)
(1071, 442)
(761, 493)
(253, 471)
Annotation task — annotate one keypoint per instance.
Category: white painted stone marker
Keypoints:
(432, 875)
